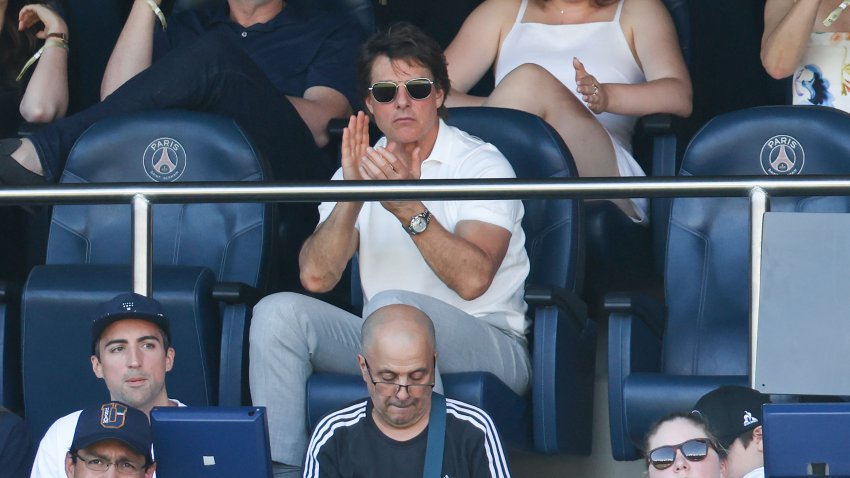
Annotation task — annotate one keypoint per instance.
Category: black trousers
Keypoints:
(210, 75)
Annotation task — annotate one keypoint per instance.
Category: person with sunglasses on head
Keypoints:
(681, 445)
(589, 68)
(281, 70)
(734, 416)
(461, 262)
(388, 434)
(111, 440)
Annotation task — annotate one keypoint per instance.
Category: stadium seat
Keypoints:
(210, 262)
(622, 255)
(11, 392)
(556, 417)
(662, 358)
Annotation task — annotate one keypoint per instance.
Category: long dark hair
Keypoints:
(15, 46)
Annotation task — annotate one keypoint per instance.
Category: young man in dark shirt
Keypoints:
(386, 435)
(280, 70)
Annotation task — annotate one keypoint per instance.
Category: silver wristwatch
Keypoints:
(419, 223)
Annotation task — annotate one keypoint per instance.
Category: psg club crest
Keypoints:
(782, 155)
(165, 160)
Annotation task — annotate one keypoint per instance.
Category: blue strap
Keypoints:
(436, 437)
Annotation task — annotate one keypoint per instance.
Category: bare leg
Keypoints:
(27, 157)
(586, 138)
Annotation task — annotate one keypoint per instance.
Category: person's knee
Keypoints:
(530, 74)
(276, 317)
(390, 297)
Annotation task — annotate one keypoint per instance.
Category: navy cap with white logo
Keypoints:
(129, 306)
(730, 411)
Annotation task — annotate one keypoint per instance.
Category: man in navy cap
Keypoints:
(111, 439)
(734, 416)
(131, 352)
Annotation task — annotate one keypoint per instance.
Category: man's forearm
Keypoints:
(327, 251)
(461, 265)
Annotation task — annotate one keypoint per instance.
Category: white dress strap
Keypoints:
(522, 6)
(619, 9)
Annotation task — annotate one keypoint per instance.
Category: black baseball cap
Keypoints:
(129, 305)
(114, 421)
(730, 411)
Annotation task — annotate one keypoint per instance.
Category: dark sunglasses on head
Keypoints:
(417, 88)
(693, 450)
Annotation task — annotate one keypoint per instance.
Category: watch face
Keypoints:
(418, 224)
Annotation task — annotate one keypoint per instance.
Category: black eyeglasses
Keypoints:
(123, 467)
(417, 88)
(389, 389)
(693, 450)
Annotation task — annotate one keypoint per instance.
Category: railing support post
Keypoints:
(141, 245)
(759, 205)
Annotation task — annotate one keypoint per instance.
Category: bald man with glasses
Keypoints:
(390, 433)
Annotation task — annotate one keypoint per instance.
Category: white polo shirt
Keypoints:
(389, 259)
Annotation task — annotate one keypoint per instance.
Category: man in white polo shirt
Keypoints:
(131, 352)
(463, 263)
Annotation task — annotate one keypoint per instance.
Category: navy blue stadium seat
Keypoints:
(208, 259)
(663, 359)
(622, 255)
(557, 418)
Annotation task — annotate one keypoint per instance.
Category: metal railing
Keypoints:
(142, 195)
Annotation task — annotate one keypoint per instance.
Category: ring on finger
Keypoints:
(595, 89)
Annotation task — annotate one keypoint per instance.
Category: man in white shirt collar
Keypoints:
(131, 352)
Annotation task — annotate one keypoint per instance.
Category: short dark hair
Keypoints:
(403, 41)
(746, 437)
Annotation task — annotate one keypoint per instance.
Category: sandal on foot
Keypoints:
(11, 171)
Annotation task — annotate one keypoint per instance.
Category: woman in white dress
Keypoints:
(588, 67)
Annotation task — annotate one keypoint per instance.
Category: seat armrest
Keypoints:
(633, 347)
(655, 124)
(564, 299)
(9, 292)
(335, 127)
(236, 293)
(233, 366)
(563, 360)
(649, 310)
(240, 299)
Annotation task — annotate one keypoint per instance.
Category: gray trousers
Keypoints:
(293, 335)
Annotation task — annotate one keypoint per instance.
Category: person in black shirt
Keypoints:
(386, 435)
(281, 70)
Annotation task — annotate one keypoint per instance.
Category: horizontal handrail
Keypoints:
(758, 189)
(580, 188)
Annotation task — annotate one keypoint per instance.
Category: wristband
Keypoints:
(52, 41)
(832, 17)
(61, 36)
(158, 13)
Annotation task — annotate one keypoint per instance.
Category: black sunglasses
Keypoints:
(693, 450)
(417, 88)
